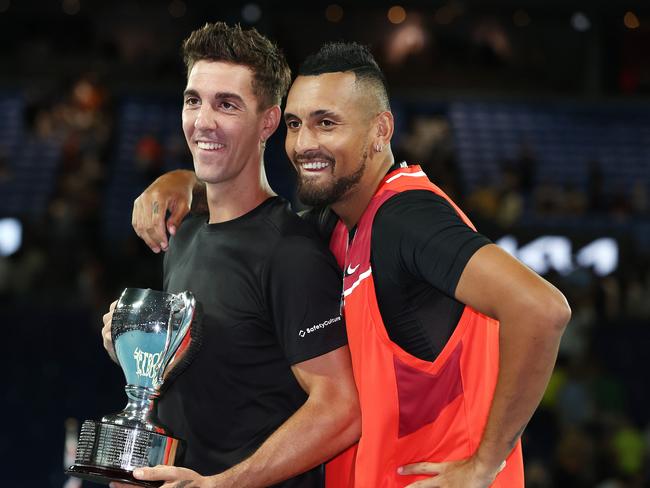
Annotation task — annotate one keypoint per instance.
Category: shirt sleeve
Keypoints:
(427, 238)
(304, 294)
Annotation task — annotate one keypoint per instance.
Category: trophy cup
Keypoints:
(155, 335)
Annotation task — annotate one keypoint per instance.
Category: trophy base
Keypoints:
(107, 475)
(110, 452)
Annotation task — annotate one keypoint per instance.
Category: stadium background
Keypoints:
(533, 114)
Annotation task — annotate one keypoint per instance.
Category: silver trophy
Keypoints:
(155, 335)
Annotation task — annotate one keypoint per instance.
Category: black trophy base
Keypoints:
(106, 475)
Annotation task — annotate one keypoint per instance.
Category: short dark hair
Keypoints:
(220, 42)
(337, 57)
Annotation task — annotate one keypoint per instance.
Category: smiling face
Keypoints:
(328, 135)
(221, 120)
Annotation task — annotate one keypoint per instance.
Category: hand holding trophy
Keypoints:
(155, 335)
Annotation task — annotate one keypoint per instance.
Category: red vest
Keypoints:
(412, 410)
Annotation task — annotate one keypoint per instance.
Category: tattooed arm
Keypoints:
(175, 192)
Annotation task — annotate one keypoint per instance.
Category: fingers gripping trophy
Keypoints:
(155, 335)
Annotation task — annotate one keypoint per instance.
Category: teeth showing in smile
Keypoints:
(315, 165)
(209, 145)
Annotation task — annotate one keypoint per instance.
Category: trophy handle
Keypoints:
(178, 335)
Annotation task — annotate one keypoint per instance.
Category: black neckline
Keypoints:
(242, 218)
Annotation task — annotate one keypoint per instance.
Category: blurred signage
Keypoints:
(11, 236)
(560, 253)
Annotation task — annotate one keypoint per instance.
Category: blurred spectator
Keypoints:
(608, 297)
(149, 157)
(629, 449)
(575, 341)
(492, 42)
(537, 475)
(510, 201)
(637, 294)
(549, 198)
(607, 392)
(575, 456)
(620, 208)
(575, 405)
(483, 201)
(429, 143)
(89, 96)
(575, 201)
(28, 268)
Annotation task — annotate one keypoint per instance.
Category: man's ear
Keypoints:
(385, 126)
(270, 121)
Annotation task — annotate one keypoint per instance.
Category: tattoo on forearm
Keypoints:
(517, 436)
(155, 208)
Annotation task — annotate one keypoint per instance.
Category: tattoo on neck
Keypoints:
(155, 208)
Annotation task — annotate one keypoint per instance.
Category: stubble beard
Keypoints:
(313, 195)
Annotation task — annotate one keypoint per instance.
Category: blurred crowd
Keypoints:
(65, 258)
(592, 429)
(518, 192)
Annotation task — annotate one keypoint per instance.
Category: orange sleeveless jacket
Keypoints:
(412, 410)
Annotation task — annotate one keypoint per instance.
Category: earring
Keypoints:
(378, 148)
(263, 143)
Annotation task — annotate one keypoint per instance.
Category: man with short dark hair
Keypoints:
(270, 396)
(452, 340)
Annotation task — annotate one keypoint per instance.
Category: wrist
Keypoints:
(213, 481)
(488, 465)
(231, 478)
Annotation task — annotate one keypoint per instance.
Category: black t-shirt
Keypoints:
(419, 249)
(270, 293)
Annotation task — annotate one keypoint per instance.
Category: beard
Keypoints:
(315, 195)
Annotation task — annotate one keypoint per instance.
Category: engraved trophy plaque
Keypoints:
(154, 334)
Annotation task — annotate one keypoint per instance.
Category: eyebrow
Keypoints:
(217, 96)
(315, 113)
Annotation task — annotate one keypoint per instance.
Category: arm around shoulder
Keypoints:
(173, 192)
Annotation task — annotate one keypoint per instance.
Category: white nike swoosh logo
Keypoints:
(351, 270)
